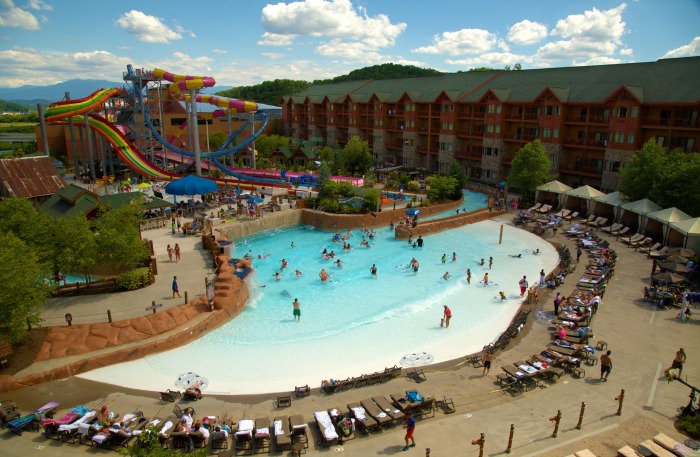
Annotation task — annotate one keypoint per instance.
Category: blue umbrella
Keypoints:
(191, 185)
(255, 200)
(413, 212)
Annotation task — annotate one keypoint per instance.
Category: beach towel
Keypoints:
(414, 396)
(278, 427)
(75, 425)
(359, 413)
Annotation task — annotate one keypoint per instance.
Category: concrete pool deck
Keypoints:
(642, 338)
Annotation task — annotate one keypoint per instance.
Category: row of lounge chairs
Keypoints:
(661, 445)
(334, 386)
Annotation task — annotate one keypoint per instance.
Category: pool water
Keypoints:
(353, 323)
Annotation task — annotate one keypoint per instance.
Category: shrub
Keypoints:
(134, 279)
(413, 186)
(690, 425)
(329, 205)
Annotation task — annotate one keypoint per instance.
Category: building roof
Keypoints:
(666, 81)
(74, 199)
(30, 177)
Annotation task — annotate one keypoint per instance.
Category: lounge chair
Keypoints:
(51, 425)
(17, 426)
(653, 248)
(618, 230)
(121, 437)
(544, 209)
(283, 401)
(427, 408)
(282, 438)
(632, 239)
(627, 451)
(261, 435)
(641, 243)
(170, 395)
(376, 378)
(610, 228)
(657, 450)
(588, 220)
(672, 445)
(166, 431)
(361, 414)
(327, 428)
(404, 404)
(302, 391)
(8, 411)
(382, 418)
(573, 228)
(536, 207)
(198, 440)
(416, 375)
(297, 428)
(524, 379)
(563, 213)
(600, 222)
(386, 406)
(446, 405)
(243, 436)
(218, 439)
(571, 216)
(622, 232)
(68, 432)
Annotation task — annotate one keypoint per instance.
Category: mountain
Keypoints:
(78, 88)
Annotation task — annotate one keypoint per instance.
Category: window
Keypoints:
(630, 138)
(660, 140)
(619, 137)
(555, 133)
(498, 109)
(495, 152)
(407, 161)
(489, 128)
(487, 151)
(332, 107)
(622, 111)
(553, 159)
(498, 128)
(634, 112)
(557, 110)
(546, 133)
(178, 120)
(353, 106)
(445, 146)
(548, 110)
(597, 164)
(492, 109)
(613, 166)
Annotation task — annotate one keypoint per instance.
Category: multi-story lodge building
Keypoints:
(591, 120)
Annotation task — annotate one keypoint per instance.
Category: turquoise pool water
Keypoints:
(353, 323)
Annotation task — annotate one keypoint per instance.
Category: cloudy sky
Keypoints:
(246, 42)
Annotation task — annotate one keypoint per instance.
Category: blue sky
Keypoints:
(246, 42)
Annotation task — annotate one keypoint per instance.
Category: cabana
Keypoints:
(551, 193)
(608, 205)
(580, 199)
(658, 222)
(633, 213)
(685, 233)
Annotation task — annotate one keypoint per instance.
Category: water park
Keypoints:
(286, 306)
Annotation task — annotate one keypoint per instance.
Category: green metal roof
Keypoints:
(555, 187)
(116, 201)
(668, 215)
(641, 207)
(76, 200)
(688, 226)
(585, 192)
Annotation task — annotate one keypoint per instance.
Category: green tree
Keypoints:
(530, 169)
(663, 176)
(372, 199)
(356, 156)
(324, 184)
(216, 140)
(457, 172)
(148, 445)
(118, 238)
(441, 187)
(34, 227)
(25, 288)
(75, 245)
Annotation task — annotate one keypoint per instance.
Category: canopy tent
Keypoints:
(580, 199)
(633, 213)
(608, 205)
(658, 222)
(551, 193)
(191, 185)
(685, 233)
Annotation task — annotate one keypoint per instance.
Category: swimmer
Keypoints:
(444, 259)
(482, 262)
(486, 279)
(502, 295)
(284, 264)
(391, 224)
(298, 273)
(325, 251)
(454, 256)
(469, 276)
(414, 265)
(373, 270)
(338, 263)
(364, 242)
(323, 275)
(446, 276)
(277, 276)
(516, 256)
(410, 239)
(537, 252)
(292, 244)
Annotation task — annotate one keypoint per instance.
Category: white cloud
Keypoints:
(39, 5)
(351, 51)
(626, 52)
(146, 28)
(465, 41)
(335, 19)
(527, 32)
(12, 16)
(273, 55)
(219, 51)
(503, 46)
(250, 73)
(593, 24)
(688, 50)
(572, 50)
(603, 60)
(273, 39)
(491, 59)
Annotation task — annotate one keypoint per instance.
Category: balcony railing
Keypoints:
(573, 142)
(570, 168)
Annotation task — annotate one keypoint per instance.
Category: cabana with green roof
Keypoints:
(685, 233)
(659, 222)
(551, 193)
(634, 213)
(580, 199)
(609, 205)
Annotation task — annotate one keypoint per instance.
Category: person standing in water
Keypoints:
(486, 279)
(296, 313)
(469, 276)
(373, 270)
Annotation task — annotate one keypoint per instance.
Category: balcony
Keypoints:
(651, 122)
(576, 143)
(396, 145)
(476, 135)
(519, 138)
(579, 170)
(473, 115)
(583, 119)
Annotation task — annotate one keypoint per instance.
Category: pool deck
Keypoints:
(643, 340)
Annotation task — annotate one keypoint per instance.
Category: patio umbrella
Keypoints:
(189, 379)
(676, 267)
(413, 212)
(255, 200)
(683, 252)
(669, 278)
(676, 259)
(191, 185)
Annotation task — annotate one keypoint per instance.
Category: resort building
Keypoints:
(591, 120)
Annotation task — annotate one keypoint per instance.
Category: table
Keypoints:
(692, 444)
(644, 451)
(299, 448)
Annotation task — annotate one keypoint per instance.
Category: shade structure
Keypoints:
(634, 213)
(674, 267)
(143, 185)
(255, 200)
(551, 193)
(658, 222)
(191, 185)
(683, 252)
(685, 234)
(669, 278)
(609, 205)
(579, 199)
(676, 259)
(413, 212)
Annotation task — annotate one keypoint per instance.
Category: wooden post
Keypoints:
(620, 398)
(186, 300)
(153, 305)
(510, 438)
(109, 316)
(480, 443)
(500, 235)
(556, 419)
(580, 415)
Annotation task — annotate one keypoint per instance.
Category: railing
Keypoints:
(579, 169)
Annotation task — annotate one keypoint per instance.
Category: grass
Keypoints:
(17, 127)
